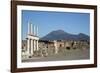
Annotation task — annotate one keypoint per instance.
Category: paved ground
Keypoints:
(73, 54)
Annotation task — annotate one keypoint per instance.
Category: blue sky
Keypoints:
(73, 23)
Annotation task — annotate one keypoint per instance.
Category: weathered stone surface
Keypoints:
(47, 48)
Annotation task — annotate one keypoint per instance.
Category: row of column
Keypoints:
(32, 29)
(32, 45)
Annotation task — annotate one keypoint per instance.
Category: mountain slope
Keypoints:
(62, 35)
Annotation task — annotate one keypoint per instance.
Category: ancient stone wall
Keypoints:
(48, 48)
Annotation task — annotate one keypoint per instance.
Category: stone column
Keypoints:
(29, 29)
(31, 47)
(34, 30)
(34, 45)
(28, 46)
(37, 31)
(37, 45)
(56, 48)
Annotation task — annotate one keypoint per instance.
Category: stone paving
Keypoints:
(63, 54)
